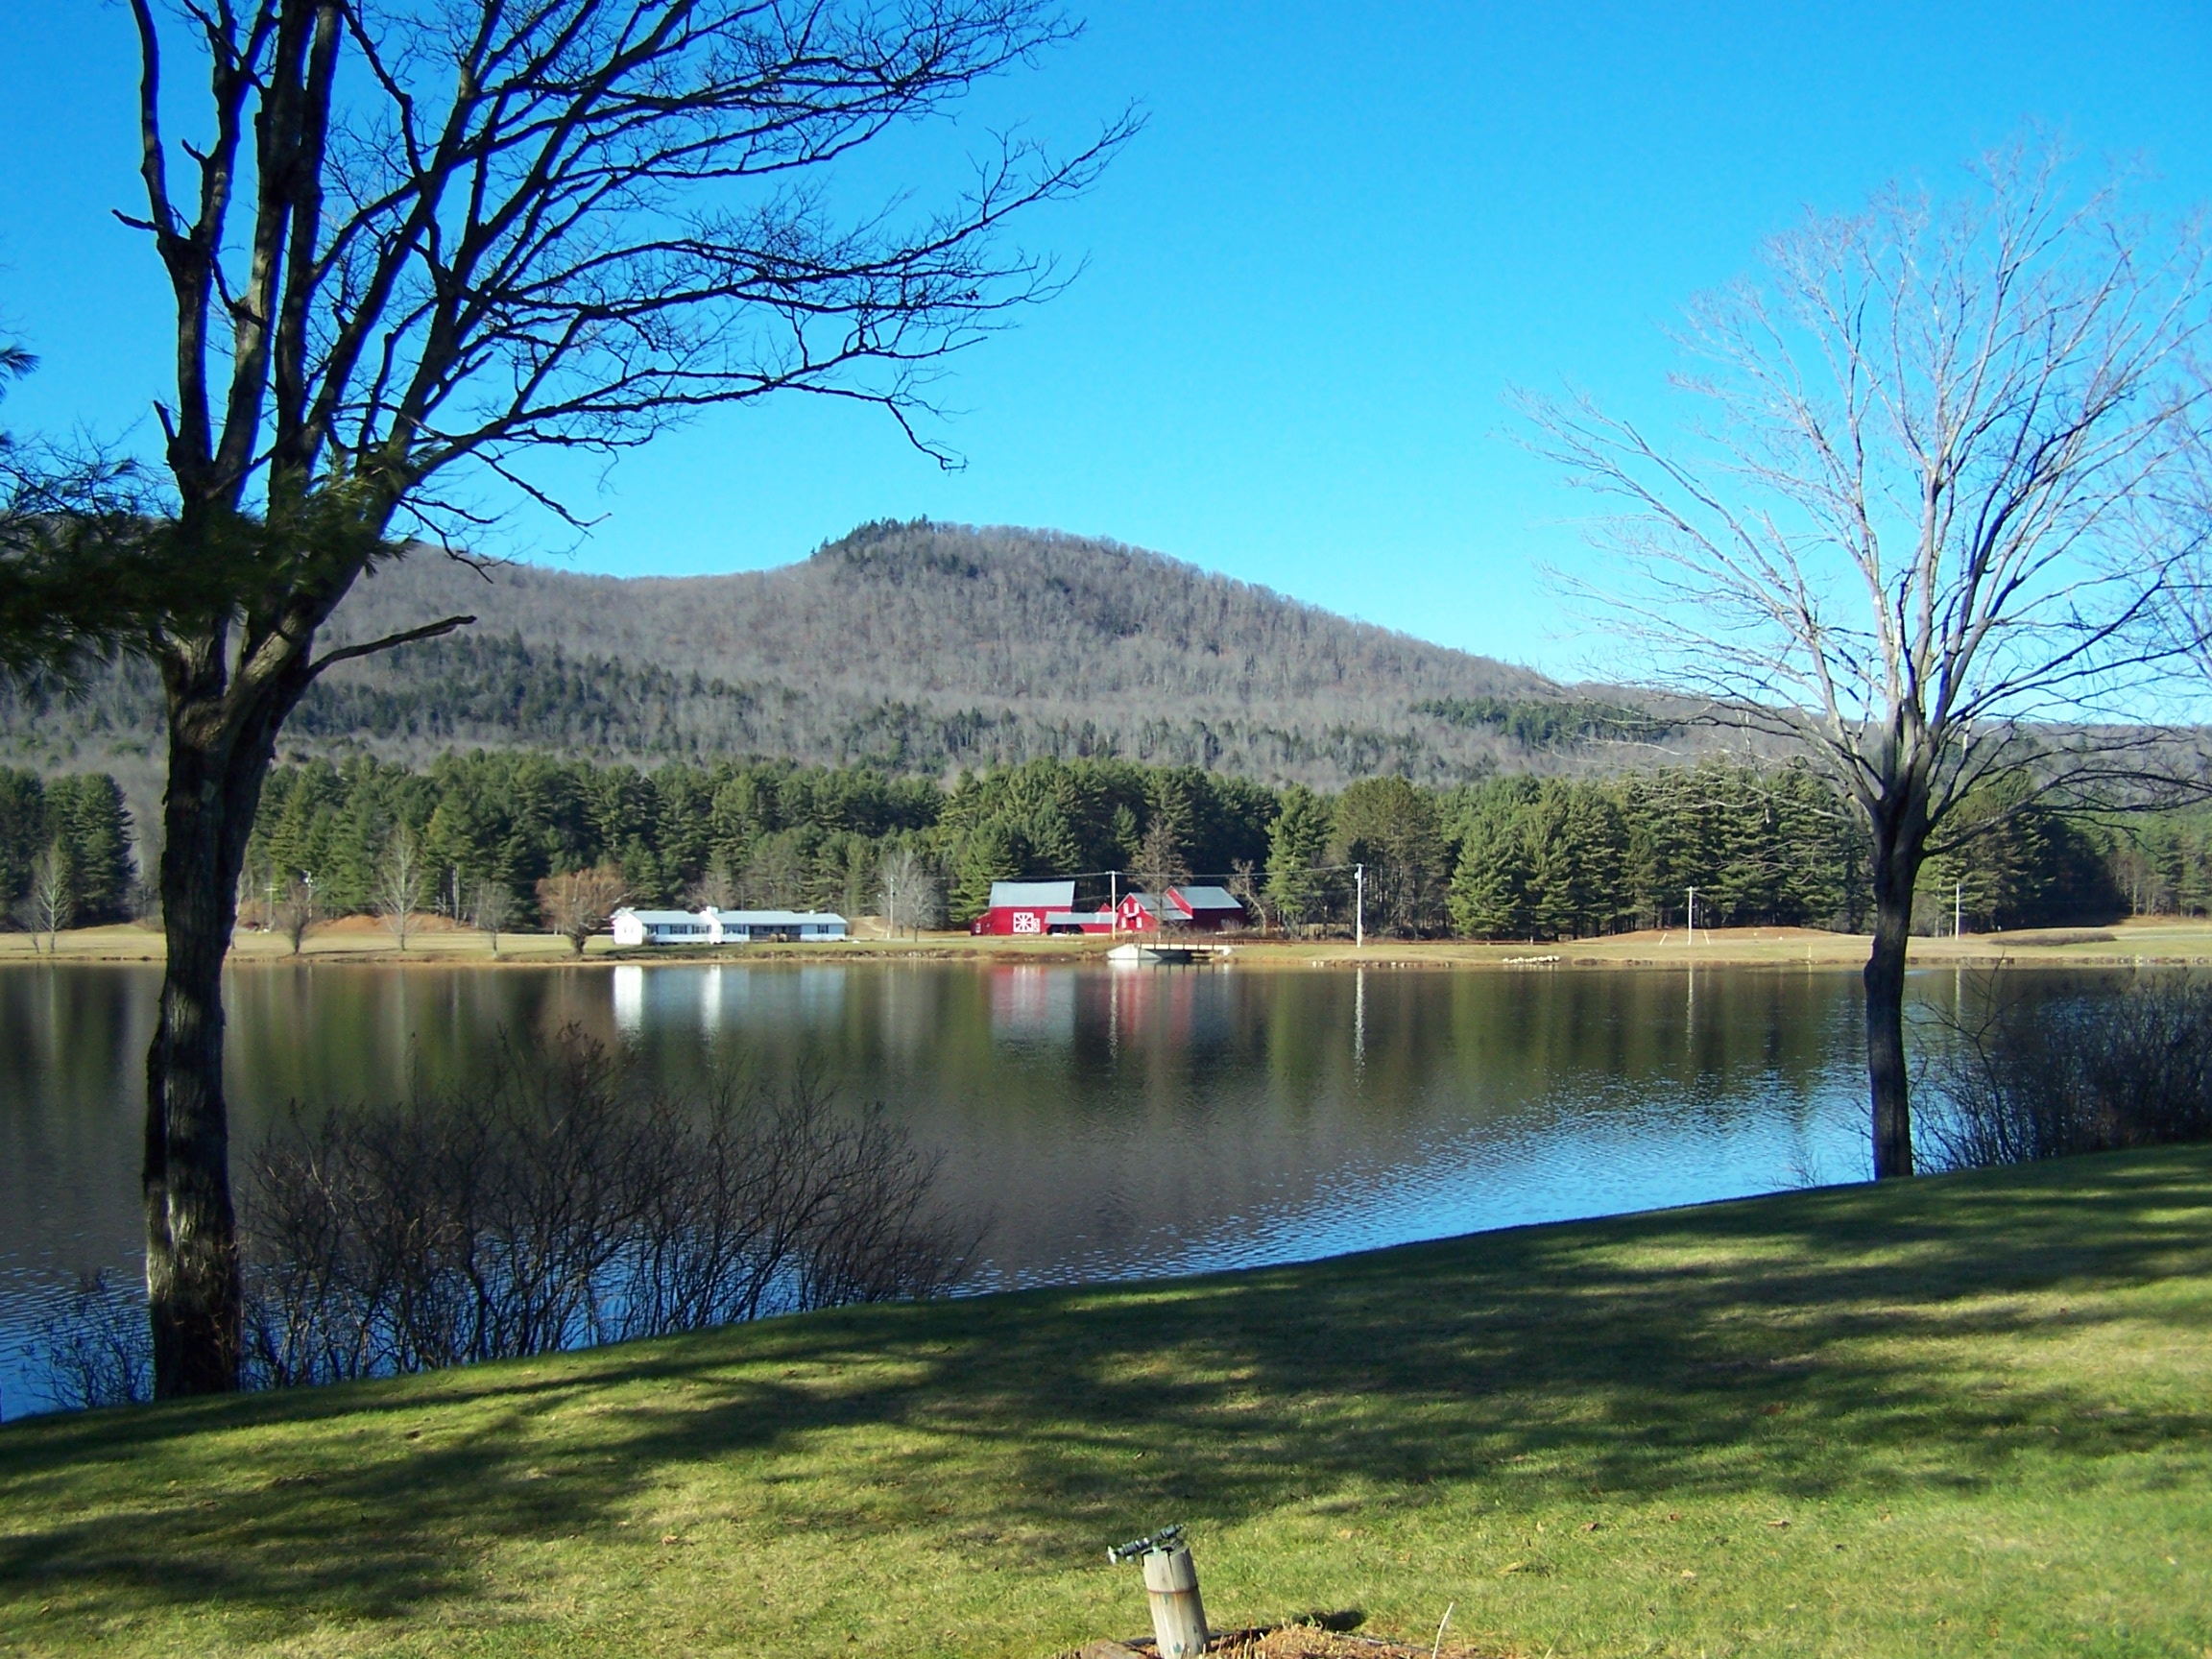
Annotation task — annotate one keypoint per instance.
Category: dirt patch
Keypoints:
(1286, 1642)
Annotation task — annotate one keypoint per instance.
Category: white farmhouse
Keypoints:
(631, 927)
(636, 927)
(738, 926)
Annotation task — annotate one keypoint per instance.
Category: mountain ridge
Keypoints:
(917, 646)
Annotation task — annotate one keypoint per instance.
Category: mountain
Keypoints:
(917, 647)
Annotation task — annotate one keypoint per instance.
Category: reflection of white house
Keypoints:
(633, 927)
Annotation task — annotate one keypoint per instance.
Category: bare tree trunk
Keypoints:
(220, 746)
(1895, 870)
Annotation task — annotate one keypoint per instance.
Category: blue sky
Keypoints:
(1345, 233)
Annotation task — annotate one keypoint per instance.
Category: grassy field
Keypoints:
(2149, 942)
(1963, 1415)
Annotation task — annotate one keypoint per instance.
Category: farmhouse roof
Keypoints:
(659, 917)
(1032, 894)
(778, 917)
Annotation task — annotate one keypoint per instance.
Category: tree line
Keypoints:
(1509, 857)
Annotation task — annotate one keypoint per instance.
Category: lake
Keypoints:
(1109, 1122)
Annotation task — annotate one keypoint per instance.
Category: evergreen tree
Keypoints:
(1490, 888)
(86, 817)
(992, 853)
(1297, 841)
(1392, 828)
(23, 832)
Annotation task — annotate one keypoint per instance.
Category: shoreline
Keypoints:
(2141, 943)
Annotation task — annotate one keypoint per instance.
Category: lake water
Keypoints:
(1110, 1122)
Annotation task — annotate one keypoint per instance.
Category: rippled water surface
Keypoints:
(1110, 1123)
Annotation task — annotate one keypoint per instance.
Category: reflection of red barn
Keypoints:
(1022, 909)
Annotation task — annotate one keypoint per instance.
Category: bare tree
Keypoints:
(1159, 863)
(716, 889)
(492, 910)
(399, 879)
(53, 893)
(1244, 888)
(1929, 535)
(296, 914)
(425, 238)
(576, 904)
(913, 897)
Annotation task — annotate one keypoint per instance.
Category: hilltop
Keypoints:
(919, 648)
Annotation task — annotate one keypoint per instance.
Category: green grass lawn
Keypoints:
(1966, 1415)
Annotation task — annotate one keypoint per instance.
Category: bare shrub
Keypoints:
(296, 915)
(577, 903)
(94, 1348)
(568, 1202)
(2025, 1076)
(397, 890)
(492, 910)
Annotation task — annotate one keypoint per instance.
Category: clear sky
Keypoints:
(1347, 230)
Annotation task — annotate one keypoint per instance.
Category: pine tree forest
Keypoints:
(1513, 857)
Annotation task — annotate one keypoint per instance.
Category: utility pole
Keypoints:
(1690, 916)
(1113, 903)
(1957, 908)
(1358, 906)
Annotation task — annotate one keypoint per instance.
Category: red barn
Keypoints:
(1024, 909)
(1208, 909)
(1141, 914)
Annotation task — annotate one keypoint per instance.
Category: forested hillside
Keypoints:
(918, 649)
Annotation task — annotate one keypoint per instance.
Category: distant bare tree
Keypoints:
(775, 875)
(1929, 537)
(716, 889)
(53, 893)
(1159, 861)
(296, 913)
(576, 904)
(492, 910)
(400, 876)
(1244, 888)
(913, 897)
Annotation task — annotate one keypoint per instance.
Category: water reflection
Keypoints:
(1111, 1122)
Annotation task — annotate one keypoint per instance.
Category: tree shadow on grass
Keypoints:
(1846, 1343)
